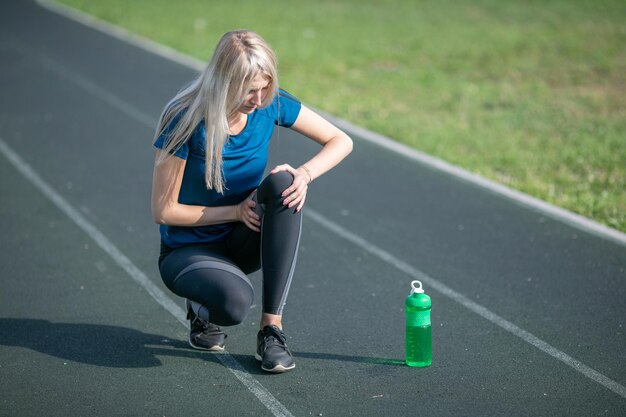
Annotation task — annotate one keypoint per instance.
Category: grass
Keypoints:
(530, 94)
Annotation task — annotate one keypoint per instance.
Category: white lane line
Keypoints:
(92, 231)
(121, 33)
(558, 213)
(380, 253)
(575, 220)
(262, 394)
(467, 303)
(95, 90)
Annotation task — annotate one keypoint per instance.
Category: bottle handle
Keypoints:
(415, 288)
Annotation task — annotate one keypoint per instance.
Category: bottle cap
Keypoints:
(415, 288)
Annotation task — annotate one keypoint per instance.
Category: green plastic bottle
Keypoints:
(418, 329)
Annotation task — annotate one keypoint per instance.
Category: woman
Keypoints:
(219, 219)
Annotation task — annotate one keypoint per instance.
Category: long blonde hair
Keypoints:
(216, 94)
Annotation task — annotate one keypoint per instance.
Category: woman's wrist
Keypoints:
(307, 173)
(237, 212)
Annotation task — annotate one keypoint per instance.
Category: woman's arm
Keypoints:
(336, 145)
(166, 181)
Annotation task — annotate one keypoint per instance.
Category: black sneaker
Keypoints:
(272, 351)
(204, 335)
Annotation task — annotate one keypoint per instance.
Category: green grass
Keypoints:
(531, 94)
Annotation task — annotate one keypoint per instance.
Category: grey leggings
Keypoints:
(214, 274)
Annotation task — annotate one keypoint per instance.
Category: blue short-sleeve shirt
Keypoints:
(244, 159)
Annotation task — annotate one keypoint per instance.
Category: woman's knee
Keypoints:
(274, 185)
(168, 277)
(234, 310)
(227, 296)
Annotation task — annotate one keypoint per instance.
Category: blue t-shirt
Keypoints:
(244, 159)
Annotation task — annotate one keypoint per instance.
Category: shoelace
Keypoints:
(206, 327)
(274, 338)
(214, 330)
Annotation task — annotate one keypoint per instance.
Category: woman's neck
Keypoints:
(237, 122)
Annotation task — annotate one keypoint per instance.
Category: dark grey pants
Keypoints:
(214, 274)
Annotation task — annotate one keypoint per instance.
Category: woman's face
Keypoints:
(255, 95)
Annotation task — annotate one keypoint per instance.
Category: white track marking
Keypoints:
(262, 394)
(467, 303)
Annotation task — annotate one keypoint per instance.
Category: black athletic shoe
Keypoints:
(204, 335)
(272, 351)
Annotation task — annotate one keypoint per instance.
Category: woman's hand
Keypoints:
(247, 215)
(296, 193)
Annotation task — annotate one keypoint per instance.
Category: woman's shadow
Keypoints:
(94, 344)
(121, 347)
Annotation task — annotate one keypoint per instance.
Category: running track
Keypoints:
(528, 311)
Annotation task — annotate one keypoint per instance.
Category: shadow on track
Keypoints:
(251, 365)
(350, 358)
(121, 347)
(94, 344)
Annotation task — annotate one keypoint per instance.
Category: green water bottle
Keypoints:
(418, 330)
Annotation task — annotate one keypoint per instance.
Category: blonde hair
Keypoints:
(216, 94)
